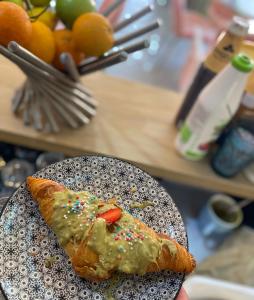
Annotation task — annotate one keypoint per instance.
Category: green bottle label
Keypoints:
(185, 133)
(194, 155)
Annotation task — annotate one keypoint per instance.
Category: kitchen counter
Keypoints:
(134, 122)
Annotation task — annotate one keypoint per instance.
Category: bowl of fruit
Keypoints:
(55, 43)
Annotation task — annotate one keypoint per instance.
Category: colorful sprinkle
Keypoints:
(92, 198)
(121, 248)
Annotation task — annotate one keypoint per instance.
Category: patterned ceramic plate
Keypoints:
(33, 266)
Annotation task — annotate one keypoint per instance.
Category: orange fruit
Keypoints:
(14, 24)
(64, 43)
(93, 34)
(42, 43)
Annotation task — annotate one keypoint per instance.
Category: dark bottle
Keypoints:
(228, 44)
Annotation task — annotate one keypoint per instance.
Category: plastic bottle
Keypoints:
(214, 108)
(228, 44)
(244, 116)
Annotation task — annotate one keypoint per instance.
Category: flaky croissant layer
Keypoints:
(101, 238)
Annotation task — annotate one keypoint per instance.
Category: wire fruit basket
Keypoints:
(49, 99)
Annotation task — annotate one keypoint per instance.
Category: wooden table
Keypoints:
(134, 122)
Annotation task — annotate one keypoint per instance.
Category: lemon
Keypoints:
(40, 2)
(48, 17)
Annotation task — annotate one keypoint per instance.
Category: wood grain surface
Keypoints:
(134, 123)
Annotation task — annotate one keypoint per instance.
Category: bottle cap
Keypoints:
(239, 26)
(243, 63)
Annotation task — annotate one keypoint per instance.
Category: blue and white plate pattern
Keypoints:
(27, 245)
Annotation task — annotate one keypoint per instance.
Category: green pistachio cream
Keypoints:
(123, 246)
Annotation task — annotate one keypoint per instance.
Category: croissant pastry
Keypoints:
(101, 238)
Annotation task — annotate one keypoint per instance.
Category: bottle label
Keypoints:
(228, 46)
(199, 131)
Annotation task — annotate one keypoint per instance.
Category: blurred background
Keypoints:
(189, 30)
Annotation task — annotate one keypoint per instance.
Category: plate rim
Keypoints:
(121, 160)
